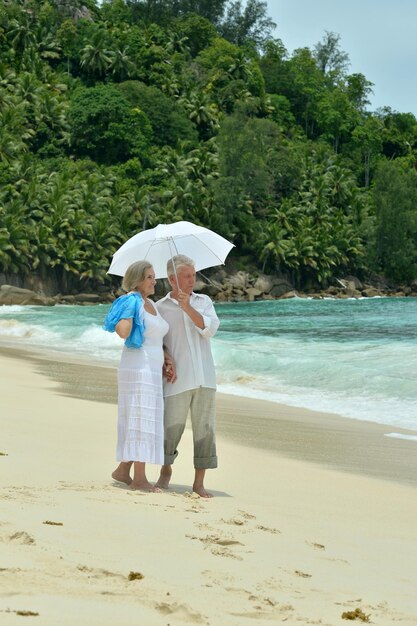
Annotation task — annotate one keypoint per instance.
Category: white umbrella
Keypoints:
(158, 245)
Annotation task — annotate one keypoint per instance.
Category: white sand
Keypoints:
(283, 540)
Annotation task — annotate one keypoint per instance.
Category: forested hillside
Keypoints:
(118, 116)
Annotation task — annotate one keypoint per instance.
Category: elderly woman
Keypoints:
(135, 319)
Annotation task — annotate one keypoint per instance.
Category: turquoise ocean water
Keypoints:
(357, 358)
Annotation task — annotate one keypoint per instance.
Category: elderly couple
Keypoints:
(166, 370)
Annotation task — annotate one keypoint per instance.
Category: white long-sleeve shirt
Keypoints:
(188, 344)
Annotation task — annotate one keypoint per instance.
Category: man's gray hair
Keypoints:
(180, 260)
(135, 274)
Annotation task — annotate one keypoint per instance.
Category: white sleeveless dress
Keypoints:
(141, 405)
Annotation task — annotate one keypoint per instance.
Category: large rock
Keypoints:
(351, 292)
(371, 292)
(264, 283)
(280, 288)
(240, 280)
(44, 286)
(221, 297)
(211, 288)
(9, 294)
(331, 291)
(253, 293)
(87, 298)
(67, 299)
(219, 276)
(200, 285)
(356, 283)
(289, 294)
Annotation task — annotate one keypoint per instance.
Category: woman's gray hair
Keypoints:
(180, 260)
(135, 274)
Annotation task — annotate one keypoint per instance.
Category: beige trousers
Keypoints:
(200, 403)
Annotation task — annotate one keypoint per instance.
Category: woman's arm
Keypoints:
(124, 328)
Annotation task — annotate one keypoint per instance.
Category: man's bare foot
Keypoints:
(144, 485)
(164, 477)
(121, 476)
(199, 489)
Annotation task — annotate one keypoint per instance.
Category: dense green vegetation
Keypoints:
(118, 116)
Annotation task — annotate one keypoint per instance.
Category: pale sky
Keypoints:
(380, 37)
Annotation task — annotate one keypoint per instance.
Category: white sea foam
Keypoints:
(388, 411)
(12, 308)
(402, 436)
(355, 358)
(100, 344)
(12, 328)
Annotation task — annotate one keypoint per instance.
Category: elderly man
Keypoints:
(192, 322)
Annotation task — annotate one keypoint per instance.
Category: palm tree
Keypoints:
(176, 43)
(16, 249)
(21, 34)
(121, 66)
(95, 56)
(28, 89)
(14, 132)
(239, 68)
(202, 111)
(47, 46)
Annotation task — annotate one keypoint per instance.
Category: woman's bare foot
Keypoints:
(121, 475)
(199, 489)
(144, 485)
(164, 477)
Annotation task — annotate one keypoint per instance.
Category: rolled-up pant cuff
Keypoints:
(209, 462)
(170, 458)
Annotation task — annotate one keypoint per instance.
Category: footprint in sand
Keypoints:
(358, 609)
(65, 486)
(266, 608)
(218, 579)
(240, 519)
(11, 570)
(219, 546)
(192, 500)
(233, 521)
(98, 573)
(181, 611)
(266, 529)
(217, 540)
(23, 538)
(246, 515)
(262, 607)
(29, 493)
(316, 546)
(193, 509)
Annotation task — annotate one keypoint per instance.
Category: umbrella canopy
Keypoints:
(158, 245)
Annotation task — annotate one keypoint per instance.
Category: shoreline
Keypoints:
(283, 540)
(291, 432)
(225, 292)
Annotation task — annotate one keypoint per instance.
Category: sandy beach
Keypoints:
(314, 516)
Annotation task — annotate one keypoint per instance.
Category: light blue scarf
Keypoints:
(125, 307)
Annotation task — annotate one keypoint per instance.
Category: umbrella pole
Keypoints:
(171, 240)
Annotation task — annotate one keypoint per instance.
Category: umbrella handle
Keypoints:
(171, 241)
